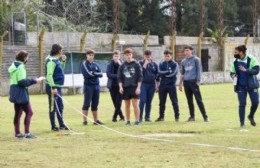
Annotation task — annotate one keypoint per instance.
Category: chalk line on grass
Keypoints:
(163, 140)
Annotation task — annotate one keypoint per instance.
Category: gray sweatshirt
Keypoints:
(191, 69)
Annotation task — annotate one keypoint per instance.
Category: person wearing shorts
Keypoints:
(129, 79)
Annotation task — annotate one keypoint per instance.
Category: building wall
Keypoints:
(94, 40)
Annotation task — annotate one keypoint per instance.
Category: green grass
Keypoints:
(99, 147)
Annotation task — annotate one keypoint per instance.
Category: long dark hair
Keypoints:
(21, 56)
(55, 49)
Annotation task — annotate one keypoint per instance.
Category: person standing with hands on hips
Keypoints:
(19, 94)
(243, 71)
(54, 65)
(130, 77)
(190, 79)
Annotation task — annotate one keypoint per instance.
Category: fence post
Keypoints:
(82, 42)
(41, 56)
(114, 41)
(223, 48)
(246, 40)
(199, 44)
(1, 50)
(173, 43)
(146, 40)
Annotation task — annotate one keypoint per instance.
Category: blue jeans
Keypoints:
(57, 107)
(146, 97)
(242, 95)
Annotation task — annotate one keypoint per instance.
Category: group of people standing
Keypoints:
(130, 81)
(140, 80)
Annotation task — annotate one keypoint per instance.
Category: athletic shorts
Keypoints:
(129, 93)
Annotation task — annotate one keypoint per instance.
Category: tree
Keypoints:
(244, 24)
(105, 16)
(5, 12)
(188, 17)
(153, 19)
(132, 13)
(230, 15)
(81, 14)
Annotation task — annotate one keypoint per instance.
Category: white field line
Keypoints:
(163, 140)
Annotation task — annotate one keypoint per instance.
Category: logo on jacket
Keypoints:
(129, 72)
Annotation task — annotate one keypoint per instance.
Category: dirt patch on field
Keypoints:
(169, 135)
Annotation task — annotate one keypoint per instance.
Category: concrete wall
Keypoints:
(102, 42)
(252, 49)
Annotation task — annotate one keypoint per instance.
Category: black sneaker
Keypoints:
(191, 119)
(148, 120)
(19, 135)
(122, 119)
(29, 136)
(55, 129)
(206, 119)
(64, 128)
(252, 121)
(98, 123)
(137, 123)
(127, 123)
(159, 119)
(176, 119)
(114, 120)
(85, 122)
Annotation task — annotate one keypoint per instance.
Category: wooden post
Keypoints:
(114, 42)
(199, 44)
(146, 40)
(1, 51)
(224, 53)
(41, 61)
(173, 42)
(246, 40)
(82, 42)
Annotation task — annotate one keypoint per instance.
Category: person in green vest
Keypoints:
(54, 65)
(243, 71)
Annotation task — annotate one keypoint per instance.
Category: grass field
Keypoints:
(218, 143)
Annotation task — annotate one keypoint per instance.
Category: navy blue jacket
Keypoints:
(18, 83)
(168, 72)
(150, 73)
(86, 72)
(248, 79)
(112, 69)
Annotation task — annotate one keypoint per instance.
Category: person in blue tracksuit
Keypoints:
(91, 73)
(54, 67)
(190, 78)
(244, 70)
(148, 86)
(168, 70)
(112, 85)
